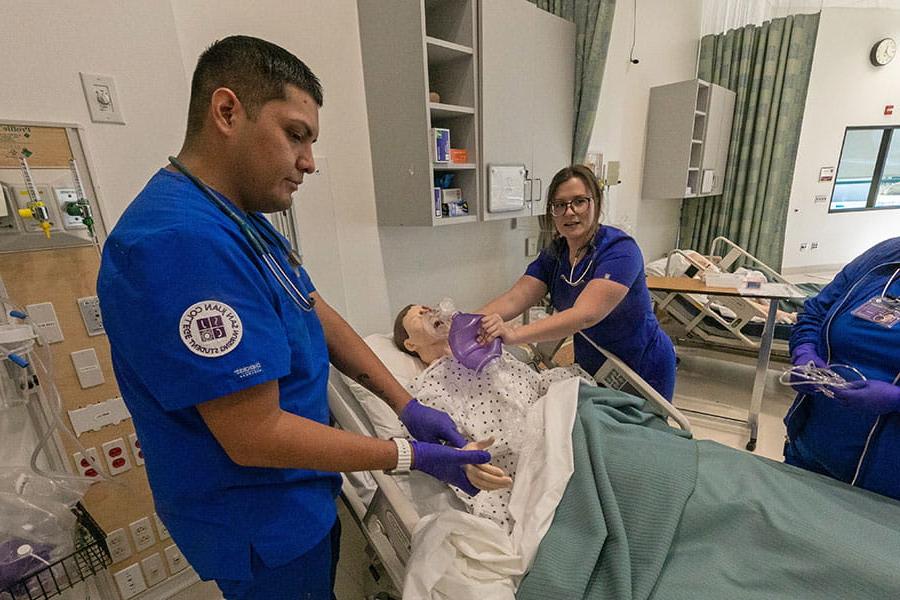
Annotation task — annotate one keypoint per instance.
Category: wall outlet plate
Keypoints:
(154, 572)
(130, 581)
(142, 534)
(116, 456)
(87, 367)
(90, 314)
(119, 547)
(175, 559)
(161, 528)
(88, 466)
(94, 417)
(136, 451)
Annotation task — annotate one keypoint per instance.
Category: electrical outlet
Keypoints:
(130, 581)
(153, 569)
(90, 314)
(119, 548)
(87, 466)
(43, 316)
(116, 456)
(531, 246)
(161, 528)
(804, 246)
(142, 534)
(175, 559)
(813, 246)
(136, 449)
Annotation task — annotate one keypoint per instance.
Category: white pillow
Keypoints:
(404, 367)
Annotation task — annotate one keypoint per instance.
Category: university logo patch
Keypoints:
(210, 328)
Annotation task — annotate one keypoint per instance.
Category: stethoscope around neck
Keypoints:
(570, 280)
(303, 301)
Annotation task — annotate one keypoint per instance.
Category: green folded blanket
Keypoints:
(651, 513)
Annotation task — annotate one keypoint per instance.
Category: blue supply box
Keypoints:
(441, 138)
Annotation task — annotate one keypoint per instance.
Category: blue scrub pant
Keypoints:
(309, 577)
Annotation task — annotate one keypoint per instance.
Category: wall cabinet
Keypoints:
(527, 115)
(688, 133)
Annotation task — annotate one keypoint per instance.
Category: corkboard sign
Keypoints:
(43, 147)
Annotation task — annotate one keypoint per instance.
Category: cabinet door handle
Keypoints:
(540, 188)
(528, 196)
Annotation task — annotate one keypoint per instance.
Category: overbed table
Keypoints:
(768, 291)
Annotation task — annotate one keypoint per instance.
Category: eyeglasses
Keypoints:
(579, 204)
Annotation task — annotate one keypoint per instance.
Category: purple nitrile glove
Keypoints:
(801, 356)
(872, 396)
(430, 425)
(448, 464)
(463, 340)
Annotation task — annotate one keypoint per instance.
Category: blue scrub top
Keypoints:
(192, 315)
(631, 331)
(823, 430)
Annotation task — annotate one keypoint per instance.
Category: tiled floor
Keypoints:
(706, 380)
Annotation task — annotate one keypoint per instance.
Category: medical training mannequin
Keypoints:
(489, 405)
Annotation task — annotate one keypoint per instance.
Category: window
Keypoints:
(868, 174)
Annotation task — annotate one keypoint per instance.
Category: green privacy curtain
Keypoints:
(593, 24)
(768, 67)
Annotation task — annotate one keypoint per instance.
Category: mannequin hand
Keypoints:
(486, 477)
(873, 396)
(447, 464)
(429, 425)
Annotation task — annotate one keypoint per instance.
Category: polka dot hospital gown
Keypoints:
(490, 404)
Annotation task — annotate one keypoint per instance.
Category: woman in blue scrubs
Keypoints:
(595, 276)
(855, 320)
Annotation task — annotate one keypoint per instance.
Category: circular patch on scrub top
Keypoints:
(210, 328)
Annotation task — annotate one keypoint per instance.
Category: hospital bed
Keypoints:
(387, 507)
(726, 322)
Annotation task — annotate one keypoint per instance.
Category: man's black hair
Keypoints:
(256, 71)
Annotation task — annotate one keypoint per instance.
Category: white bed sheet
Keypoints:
(459, 556)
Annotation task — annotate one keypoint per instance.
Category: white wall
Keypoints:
(46, 44)
(668, 37)
(844, 89)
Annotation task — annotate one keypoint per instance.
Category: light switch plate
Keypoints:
(102, 98)
(154, 572)
(87, 367)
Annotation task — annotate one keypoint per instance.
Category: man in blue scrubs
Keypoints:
(221, 345)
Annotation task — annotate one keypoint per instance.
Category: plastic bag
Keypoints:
(36, 524)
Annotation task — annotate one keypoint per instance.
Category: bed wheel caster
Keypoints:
(751, 445)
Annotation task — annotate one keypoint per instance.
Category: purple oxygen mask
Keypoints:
(463, 340)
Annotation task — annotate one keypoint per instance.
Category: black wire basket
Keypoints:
(91, 556)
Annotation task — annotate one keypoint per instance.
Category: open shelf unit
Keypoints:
(426, 47)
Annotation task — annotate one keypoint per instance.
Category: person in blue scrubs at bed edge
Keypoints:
(221, 345)
(595, 276)
(855, 321)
